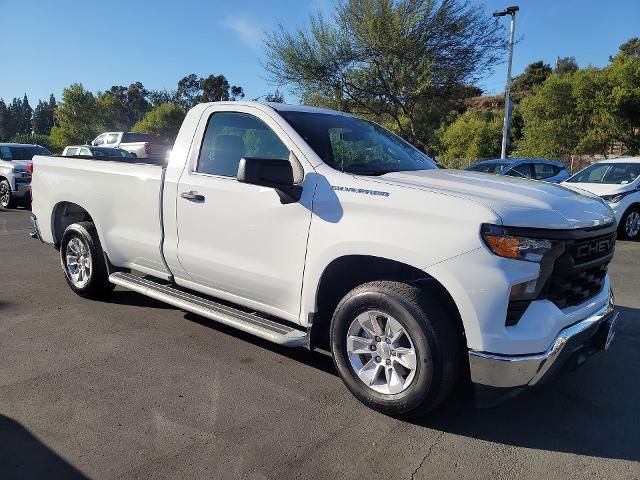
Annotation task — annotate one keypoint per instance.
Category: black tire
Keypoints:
(623, 228)
(434, 336)
(7, 199)
(97, 285)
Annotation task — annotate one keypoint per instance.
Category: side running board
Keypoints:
(247, 322)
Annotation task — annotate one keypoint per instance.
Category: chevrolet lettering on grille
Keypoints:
(594, 248)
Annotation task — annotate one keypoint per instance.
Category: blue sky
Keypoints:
(48, 45)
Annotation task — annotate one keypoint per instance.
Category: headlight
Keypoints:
(518, 248)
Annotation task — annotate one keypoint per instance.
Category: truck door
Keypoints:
(238, 241)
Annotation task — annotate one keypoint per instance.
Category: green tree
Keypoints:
(214, 88)
(624, 75)
(78, 116)
(535, 74)
(474, 135)
(396, 61)
(163, 121)
(631, 47)
(566, 65)
(275, 97)
(43, 119)
(551, 127)
(122, 106)
(7, 128)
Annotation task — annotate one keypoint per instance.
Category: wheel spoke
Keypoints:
(394, 381)
(72, 260)
(358, 345)
(369, 372)
(393, 330)
(406, 357)
(369, 323)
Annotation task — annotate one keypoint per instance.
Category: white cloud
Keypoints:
(249, 33)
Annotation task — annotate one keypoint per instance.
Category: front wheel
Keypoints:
(630, 224)
(395, 348)
(83, 261)
(6, 196)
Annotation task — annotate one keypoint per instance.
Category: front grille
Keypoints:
(575, 288)
(579, 273)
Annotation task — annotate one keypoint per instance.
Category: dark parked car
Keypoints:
(532, 168)
(91, 151)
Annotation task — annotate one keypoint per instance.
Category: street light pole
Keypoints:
(507, 93)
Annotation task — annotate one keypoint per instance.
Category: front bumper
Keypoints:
(21, 193)
(574, 343)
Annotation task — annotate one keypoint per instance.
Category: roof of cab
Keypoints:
(281, 107)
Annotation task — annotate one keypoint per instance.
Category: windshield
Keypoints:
(488, 167)
(610, 173)
(354, 145)
(22, 152)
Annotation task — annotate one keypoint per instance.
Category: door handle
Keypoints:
(193, 196)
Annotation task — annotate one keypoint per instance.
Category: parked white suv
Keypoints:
(616, 181)
(313, 227)
(14, 173)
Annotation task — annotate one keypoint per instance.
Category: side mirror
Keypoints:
(278, 174)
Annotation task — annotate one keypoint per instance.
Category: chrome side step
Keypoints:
(247, 322)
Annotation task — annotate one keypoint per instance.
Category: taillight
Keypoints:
(147, 148)
(30, 168)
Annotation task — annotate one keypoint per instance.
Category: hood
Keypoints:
(20, 165)
(600, 189)
(518, 202)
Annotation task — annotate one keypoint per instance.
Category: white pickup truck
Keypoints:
(311, 227)
(142, 145)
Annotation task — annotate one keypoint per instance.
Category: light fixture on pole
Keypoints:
(507, 93)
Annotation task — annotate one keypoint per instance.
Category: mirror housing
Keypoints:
(278, 174)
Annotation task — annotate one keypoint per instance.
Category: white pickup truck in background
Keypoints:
(311, 227)
(142, 145)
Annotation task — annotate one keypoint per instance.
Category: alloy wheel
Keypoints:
(78, 262)
(632, 224)
(381, 352)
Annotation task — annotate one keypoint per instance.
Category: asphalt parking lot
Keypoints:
(135, 389)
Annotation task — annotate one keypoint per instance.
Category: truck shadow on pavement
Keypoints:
(23, 455)
(591, 411)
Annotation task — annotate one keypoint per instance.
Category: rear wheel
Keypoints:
(83, 261)
(395, 348)
(630, 224)
(6, 196)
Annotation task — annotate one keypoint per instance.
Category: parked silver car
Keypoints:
(15, 177)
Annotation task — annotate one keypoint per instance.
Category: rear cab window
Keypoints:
(130, 137)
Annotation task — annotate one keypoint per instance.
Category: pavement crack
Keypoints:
(426, 455)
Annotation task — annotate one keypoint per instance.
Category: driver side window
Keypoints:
(231, 136)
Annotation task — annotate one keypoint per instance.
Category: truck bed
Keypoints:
(128, 221)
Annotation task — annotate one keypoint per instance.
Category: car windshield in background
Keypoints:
(488, 167)
(354, 145)
(22, 152)
(611, 173)
(136, 137)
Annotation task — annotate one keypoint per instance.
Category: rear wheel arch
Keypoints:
(65, 214)
(347, 272)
